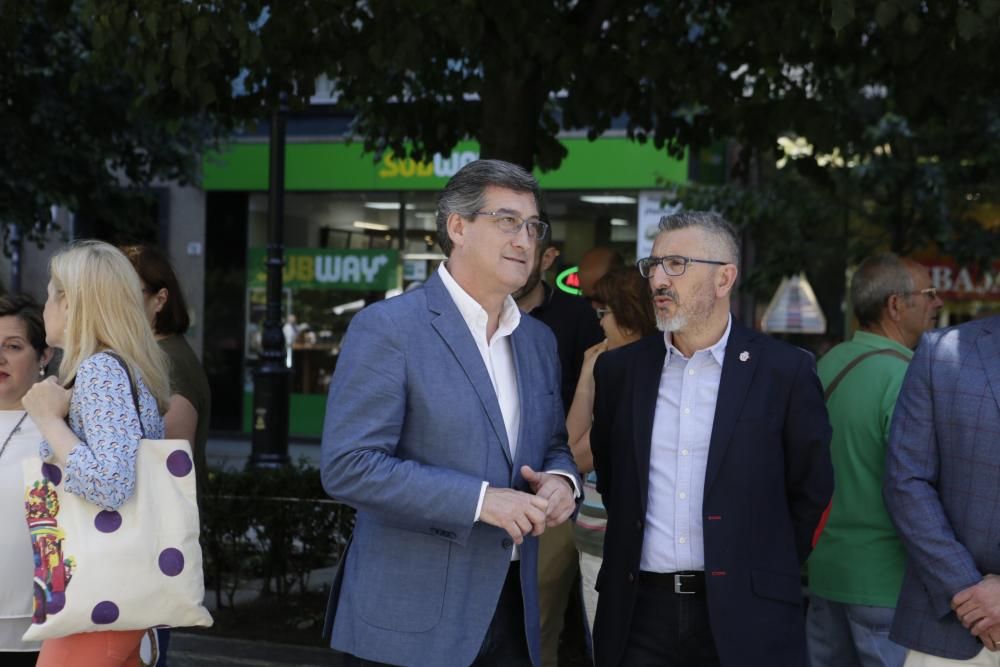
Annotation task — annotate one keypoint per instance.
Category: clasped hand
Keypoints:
(520, 514)
(978, 608)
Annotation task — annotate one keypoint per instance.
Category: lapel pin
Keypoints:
(744, 356)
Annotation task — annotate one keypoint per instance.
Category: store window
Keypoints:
(389, 241)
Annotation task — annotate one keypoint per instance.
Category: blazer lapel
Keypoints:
(645, 391)
(455, 332)
(988, 346)
(737, 372)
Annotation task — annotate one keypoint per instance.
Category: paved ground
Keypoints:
(190, 650)
(234, 452)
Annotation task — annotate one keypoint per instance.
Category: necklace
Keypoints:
(17, 427)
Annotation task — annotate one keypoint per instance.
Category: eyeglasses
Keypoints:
(930, 292)
(601, 312)
(511, 223)
(673, 265)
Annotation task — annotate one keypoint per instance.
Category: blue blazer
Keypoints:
(942, 480)
(413, 427)
(767, 482)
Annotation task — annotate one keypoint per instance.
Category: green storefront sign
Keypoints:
(605, 164)
(366, 270)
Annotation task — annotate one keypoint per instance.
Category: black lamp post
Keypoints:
(271, 379)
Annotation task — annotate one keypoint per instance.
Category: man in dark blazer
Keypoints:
(711, 449)
(942, 490)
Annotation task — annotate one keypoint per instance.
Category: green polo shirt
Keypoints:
(859, 558)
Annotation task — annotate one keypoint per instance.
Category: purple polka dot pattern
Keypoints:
(179, 463)
(52, 473)
(56, 604)
(171, 562)
(104, 613)
(108, 521)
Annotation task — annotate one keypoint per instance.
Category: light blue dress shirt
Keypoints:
(682, 429)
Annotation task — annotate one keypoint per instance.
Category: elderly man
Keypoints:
(444, 428)
(856, 569)
(710, 443)
(942, 490)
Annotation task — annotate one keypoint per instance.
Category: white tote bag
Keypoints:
(131, 569)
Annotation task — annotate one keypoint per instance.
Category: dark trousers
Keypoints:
(504, 645)
(669, 630)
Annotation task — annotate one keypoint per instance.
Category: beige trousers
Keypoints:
(557, 568)
(984, 659)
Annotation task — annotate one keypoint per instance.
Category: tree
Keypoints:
(74, 139)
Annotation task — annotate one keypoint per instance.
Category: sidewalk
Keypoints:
(196, 650)
(233, 452)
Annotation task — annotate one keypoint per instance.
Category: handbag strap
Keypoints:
(857, 360)
(131, 384)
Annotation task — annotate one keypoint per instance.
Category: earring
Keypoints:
(41, 371)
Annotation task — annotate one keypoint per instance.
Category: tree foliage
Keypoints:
(73, 137)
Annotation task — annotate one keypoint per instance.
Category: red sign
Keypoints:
(965, 283)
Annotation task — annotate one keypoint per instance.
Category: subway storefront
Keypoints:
(358, 230)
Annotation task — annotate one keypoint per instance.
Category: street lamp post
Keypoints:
(269, 440)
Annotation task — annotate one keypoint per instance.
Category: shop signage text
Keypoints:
(966, 282)
(319, 268)
(439, 167)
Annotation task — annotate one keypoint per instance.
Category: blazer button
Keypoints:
(631, 577)
(507, 543)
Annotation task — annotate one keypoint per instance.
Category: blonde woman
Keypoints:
(95, 311)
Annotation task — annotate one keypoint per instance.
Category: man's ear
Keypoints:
(725, 279)
(892, 307)
(456, 229)
(549, 258)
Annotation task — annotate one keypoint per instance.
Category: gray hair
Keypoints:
(876, 279)
(465, 192)
(710, 222)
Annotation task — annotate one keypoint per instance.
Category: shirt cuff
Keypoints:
(482, 497)
(570, 477)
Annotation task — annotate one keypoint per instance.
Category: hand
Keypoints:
(590, 358)
(47, 401)
(556, 489)
(516, 512)
(987, 638)
(978, 607)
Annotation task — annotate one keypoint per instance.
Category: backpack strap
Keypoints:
(857, 360)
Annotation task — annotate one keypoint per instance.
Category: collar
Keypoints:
(879, 342)
(473, 313)
(718, 350)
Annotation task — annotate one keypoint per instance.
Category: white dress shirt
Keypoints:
(498, 356)
(682, 429)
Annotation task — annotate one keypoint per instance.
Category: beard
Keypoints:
(533, 279)
(691, 313)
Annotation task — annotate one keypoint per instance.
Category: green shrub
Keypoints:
(268, 530)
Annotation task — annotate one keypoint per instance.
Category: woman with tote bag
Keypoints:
(95, 314)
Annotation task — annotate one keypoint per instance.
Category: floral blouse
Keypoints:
(101, 467)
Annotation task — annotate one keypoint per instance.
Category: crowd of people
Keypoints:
(470, 419)
(116, 317)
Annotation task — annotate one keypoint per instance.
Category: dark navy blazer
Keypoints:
(767, 482)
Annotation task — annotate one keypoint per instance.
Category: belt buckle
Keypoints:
(679, 584)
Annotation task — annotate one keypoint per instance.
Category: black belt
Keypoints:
(682, 583)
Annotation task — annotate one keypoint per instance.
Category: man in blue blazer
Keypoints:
(445, 429)
(711, 446)
(942, 490)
